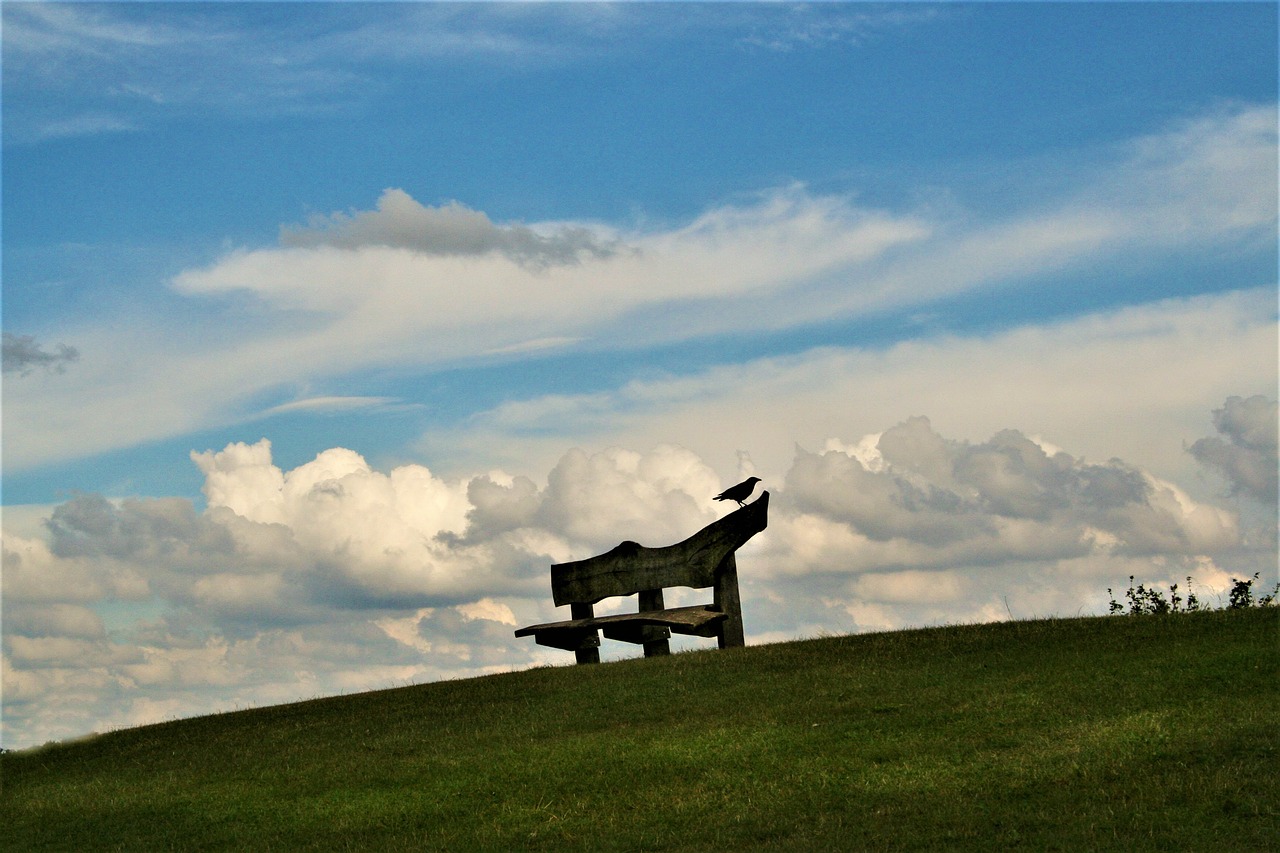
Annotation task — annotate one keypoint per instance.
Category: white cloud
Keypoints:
(334, 576)
(73, 69)
(824, 26)
(1248, 455)
(235, 61)
(656, 498)
(393, 306)
(412, 287)
(941, 503)
(1135, 383)
(329, 403)
(51, 30)
(907, 587)
(487, 608)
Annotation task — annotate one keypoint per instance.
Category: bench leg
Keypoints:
(651, 599)
(588, 654)
(729, 603)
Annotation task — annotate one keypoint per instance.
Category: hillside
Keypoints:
(1107, 733)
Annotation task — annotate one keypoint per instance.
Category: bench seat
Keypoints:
(700, 620)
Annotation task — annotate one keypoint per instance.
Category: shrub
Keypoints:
(1144, 601)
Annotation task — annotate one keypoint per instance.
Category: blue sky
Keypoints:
(417, 254)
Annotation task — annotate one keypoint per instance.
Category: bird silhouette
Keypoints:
(738, 493)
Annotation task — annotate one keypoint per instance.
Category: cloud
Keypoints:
(826, 26)
(656, 498)
(328, 577)
(86, 124)
(440, 269)
(22, 354)
(1204, 182)
(91, 526)
(50, 32)
(80, 69)
(57, 620)
(1247, 457)
(533, 346)
(938, 503)
(377, 536)
(1134, 383)
(330, 403)
(451, 229)
(335, 576)
(409, 287)
(84, 69)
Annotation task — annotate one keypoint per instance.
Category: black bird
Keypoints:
(738, 493)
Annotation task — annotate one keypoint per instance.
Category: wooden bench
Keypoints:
(705, 559)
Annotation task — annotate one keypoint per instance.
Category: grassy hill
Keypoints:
(1130, 733)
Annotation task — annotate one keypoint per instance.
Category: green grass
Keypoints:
(1125, 733)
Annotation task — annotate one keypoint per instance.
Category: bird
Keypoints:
(738, 493)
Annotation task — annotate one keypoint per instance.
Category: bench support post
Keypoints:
(658, 644)
(591, 653)
(728, 602)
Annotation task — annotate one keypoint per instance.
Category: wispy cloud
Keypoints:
(329, 404)
(413, 287)
(78, 69)
(85, 124)
(534, 346)
(139, 63)
(1100, 383)
(816, 26)
(52, 30)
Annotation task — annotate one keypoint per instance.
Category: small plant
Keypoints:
(1151, 602)
(1242, 594)
(1143, 601)
(1193, 603)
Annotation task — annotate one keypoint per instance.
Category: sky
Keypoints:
(328, 328)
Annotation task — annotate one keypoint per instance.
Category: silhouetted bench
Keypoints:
(705, 559)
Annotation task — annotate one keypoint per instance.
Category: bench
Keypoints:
(705, 559)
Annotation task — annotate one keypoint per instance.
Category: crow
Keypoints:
(738, 493)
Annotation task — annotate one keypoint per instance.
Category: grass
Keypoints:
(1125, 733)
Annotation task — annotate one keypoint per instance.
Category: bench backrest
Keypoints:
(631, 568)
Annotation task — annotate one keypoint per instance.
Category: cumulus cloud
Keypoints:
(1246, 452)
(379, 538)
(930, 501)
(656, 498)
(335, 576)
(22, 354)
(450, 229)
(327, 577)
